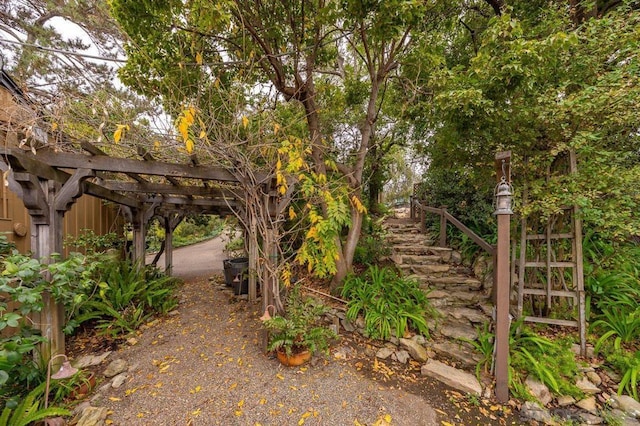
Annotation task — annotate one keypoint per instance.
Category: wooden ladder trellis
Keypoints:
(549, 273)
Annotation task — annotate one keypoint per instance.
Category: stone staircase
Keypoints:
(452, 288)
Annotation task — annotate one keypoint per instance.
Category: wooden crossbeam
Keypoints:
(94, 150)
(124, 165)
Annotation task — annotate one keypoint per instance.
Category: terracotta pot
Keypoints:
(84, 387)
(296, 358)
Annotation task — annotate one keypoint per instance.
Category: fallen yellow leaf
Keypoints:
(113, 398)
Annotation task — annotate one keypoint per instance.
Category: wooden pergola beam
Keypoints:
(161, 188)
(124, 165)
(94, 150)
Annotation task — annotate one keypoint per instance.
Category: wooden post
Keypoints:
(168, 246)
(502, 287)
(423, 225)
(46, 202)
(443, 227)
(253, 261)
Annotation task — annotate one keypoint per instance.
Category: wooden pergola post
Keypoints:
(140, 219)
(47, 201)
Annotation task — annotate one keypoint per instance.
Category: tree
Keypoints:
(64, 28)
(541, 79)
(308, 52)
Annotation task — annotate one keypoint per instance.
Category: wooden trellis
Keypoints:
(550, 270)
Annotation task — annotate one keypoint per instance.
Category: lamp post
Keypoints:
(66, 371)
(503, 197)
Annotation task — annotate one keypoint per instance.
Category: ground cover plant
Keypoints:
(390, 304)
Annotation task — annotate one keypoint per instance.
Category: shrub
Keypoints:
(628, 365)
(387, 301)
(127, 295)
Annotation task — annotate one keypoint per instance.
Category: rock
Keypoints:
(419, 339)
(346, 324)
(417, 351)
(472, 315)
(457, 351)
(118, 380)
(587, 387)
(384, 353)
(132, 341)
(626, 404)
(174, 313)
(456, 258)
(590, 419)
(565, 400)
(539, 390)
(623, 418)
(575, 348)
(594, 378)
(588, 404)
(437, 294)
(453, 377)
(115, 367)
(343, 352)
(77, 411)
(90, 360)
(402, 356)
(459, 331)
(92, 416)
(533, 410)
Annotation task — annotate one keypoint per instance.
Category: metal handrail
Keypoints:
(417, 207)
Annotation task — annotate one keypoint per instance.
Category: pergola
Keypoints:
(49, 182)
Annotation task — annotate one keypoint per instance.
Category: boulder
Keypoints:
(587, 387)
(539, 390)
(384, 353)
(417, 351)
(626, 404)
(457, 379)
(533, 410)
(116, 367)
(588, 404)
(92, 416)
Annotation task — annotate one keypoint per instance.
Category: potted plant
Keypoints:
(298, 334)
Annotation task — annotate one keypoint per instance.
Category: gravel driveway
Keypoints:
(203, 366)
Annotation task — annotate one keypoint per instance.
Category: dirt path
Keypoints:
(203, 366)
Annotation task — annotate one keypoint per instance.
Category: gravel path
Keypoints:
(203, 366)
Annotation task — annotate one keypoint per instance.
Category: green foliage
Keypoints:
(23, 281)
(370, 249)
(628, 365)
(90, 242)
(535, 82)
(551, 362)
(18, 368)
(65, 388)
(619, 323)
(483, 345)
(29, 411)
(612, 280)
(127, 295)
(388, 302)
(191, 230)
(299, 328)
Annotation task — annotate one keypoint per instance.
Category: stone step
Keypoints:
(408, 239)
(416, 259)
(444, 252)
(441, 298)
(425, 270)
(452, 282)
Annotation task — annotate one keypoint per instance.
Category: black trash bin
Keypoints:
(237, 268)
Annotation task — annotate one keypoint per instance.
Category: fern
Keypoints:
(28, 410)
